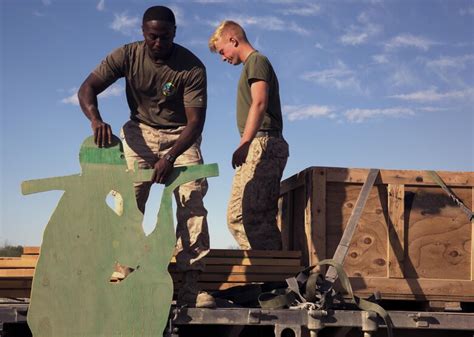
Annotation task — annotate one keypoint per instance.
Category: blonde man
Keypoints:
(262, 153)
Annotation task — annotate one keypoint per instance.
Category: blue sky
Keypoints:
(386, 84)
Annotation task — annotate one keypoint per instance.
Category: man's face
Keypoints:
(227, 48)
(159, 36)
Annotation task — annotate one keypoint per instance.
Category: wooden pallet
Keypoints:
(224, 269)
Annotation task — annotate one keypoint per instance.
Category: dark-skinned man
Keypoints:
(167, 96)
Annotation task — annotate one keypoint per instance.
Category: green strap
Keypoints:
(276, 299)
(437, 179)
(361, 303)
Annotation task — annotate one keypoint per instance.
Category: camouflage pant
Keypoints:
(253, 205)
(146, 145)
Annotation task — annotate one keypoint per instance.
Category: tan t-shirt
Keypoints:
(157, 93)
(258, 67)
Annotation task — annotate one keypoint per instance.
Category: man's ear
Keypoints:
(234, 41)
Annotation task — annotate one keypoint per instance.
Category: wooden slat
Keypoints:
(400, 177)
(249, 269)
(15, 283)
(396, 232)
(308, 216)
(31, 250)
(319, 215)
(348, 234)
(18, 263)
(26, 272)
(249, 262)
(254, 253)
(472, 236)
(421, 288)
(237, 278)
(15, 293)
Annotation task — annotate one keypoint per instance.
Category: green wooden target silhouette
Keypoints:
(84, 239)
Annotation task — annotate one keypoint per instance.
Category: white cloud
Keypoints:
(101, 5)
(38, 13)
(112, 91)
(359, 34)
(432, 95)
(360, 115)
(272, 23)
(408, 40)
(467, 11)
(402, 76)
(46, 2)
(340, 77)
(445, 62)
(300, 112)
(125, 24)
(302, 10)
(380, 58)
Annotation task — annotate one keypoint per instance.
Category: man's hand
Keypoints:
(102, 133)
(163, 168)
(240, 155)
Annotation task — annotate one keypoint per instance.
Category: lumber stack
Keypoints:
(225, 268)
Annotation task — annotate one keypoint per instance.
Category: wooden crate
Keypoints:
(225, 268)
(412, 241)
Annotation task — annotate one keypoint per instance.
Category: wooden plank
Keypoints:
(319, 215)
(308, 216)
(396, 232)
(249, 269)
(400, 177)
(421, 288)
(472, 236)
(31, 250)
(19, 263)
(343, 247)
(254, 253)
(293, 182)
(249, 262)
(237, 278)
(284, 219)
(438, 234)
(15, 293)
(212, 253)
(15, 283)
(26, 272)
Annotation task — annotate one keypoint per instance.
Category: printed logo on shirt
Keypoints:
(168, 89)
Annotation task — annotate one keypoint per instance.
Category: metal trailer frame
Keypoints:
(305, 323)
(301, 322)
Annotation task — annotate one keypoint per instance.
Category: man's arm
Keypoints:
(196, 118)
(87, 95)
(259, 93)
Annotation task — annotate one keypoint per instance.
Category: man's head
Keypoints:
(159, 29)
(227, 41)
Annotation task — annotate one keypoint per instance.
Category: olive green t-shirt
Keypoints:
(157, 92)
(258, 67)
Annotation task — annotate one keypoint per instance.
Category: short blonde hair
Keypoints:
(226, 27)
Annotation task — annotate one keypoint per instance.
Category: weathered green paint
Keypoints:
(71, 292)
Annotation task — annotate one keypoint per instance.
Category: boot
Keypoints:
(190, 296)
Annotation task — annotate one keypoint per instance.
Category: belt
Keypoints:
(269, 133)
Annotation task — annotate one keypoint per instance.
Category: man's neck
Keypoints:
(245, 52)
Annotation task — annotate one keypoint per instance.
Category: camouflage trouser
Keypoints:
(146, 145)
(253, 205)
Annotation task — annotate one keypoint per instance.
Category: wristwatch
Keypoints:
(170, 158)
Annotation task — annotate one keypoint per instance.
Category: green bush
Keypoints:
(11, 251)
